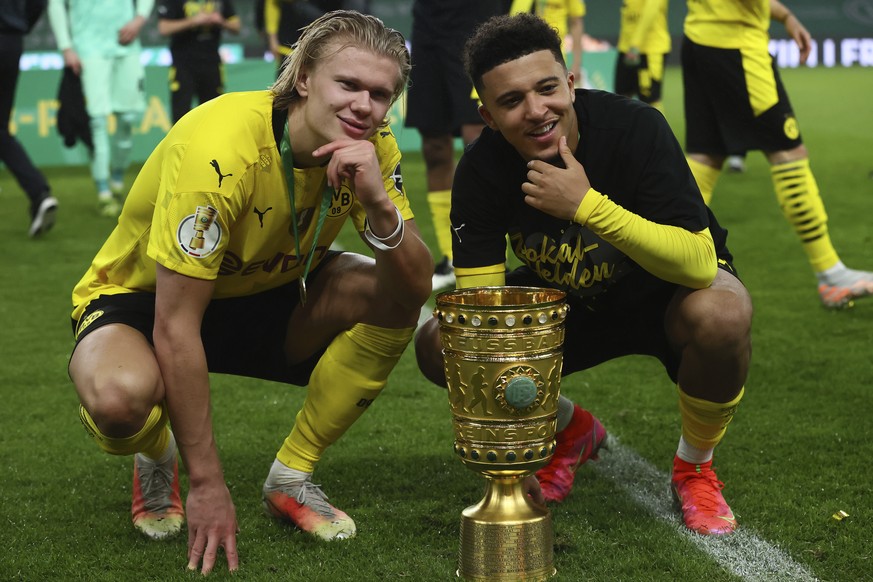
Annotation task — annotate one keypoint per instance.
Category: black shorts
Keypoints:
(243, 336)
(641, 81)
(735, 102)
(623, 322)
(440, 99)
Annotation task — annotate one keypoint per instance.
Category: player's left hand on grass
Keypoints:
(211, 525)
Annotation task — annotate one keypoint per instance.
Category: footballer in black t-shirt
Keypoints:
(596, 197)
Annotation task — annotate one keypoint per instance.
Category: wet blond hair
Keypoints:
(330, 33)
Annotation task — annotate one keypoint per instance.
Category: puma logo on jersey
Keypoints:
(261, 214)
(456, 230)
(214, 164)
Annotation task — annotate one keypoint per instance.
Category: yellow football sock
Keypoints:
(703, 422)
(440, 205)
(151, 440)
(346, 380)
(706, 178)
(798, 196)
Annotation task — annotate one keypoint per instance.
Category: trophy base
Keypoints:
(505, 537)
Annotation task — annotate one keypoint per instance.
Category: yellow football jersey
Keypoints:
(644, 26)
(212, 202)
(729, 24)
(555, 12)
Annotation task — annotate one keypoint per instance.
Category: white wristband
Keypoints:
(379, 242)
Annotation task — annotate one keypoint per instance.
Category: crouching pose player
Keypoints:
(220, 263)
(597, 199)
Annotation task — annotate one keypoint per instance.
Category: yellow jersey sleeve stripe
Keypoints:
(490, 276)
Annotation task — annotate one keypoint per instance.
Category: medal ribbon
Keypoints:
(288, 165)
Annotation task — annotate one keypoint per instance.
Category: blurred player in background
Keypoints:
(565, 16)
(221, 263)
(17, 18)
(283, 20)
(643, 45)
(597, 200)
(441, 104)
(100, 42)
(362, 6)
(735, 102)
(194, 28)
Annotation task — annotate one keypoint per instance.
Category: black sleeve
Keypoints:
(666, 192)
(35, 9)
(478, 218)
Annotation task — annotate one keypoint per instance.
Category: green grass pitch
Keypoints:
(797, 452)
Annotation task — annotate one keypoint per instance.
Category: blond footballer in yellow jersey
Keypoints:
(212, 269)
(233, 168)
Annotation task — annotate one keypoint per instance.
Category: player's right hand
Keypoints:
(211, 525)
(554, 190)
(532, 489)
(71, 59)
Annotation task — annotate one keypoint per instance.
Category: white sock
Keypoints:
(843, 276)
(279, 471)
(691, 454)
(827, 276)
(168, 455)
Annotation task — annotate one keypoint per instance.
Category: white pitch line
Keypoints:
(742, 553)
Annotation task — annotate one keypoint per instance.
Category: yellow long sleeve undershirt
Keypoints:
(490, 276)
(670, 253)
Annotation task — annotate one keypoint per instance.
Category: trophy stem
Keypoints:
(506, 537)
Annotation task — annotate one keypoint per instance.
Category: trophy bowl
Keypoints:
(502, 353)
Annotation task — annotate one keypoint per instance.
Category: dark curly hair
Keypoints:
(505, 38)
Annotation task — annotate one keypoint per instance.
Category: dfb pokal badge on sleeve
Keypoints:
(203, 219)
(502, 351)
(200, 233)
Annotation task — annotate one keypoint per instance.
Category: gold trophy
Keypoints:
(502, 350)
(204, 216)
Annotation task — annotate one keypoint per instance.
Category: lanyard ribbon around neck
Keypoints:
(288, 165)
